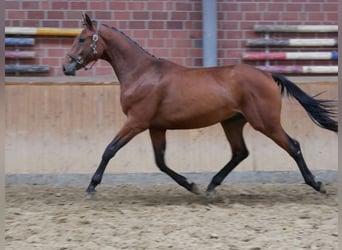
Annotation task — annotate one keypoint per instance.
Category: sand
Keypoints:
(242, 216)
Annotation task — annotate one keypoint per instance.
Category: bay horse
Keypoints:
(157, 94)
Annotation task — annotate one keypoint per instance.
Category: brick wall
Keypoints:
(170, 29)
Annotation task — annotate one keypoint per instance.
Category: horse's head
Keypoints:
(85, 48)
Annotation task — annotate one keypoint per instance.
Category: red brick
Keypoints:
(55, 14)
(183, 6)
(136, 5)
(196, 34)
(331, 17)
(30, 5)
(229, 25)
(276, 7)
(271, 16)
(312, 7)
(57, 5)
(159, 15)
(228, 43)
(155, 5)
(253, 15)
(195, 15)
(51, 61)
(235, 16)
(137, 25)
(156, 43)
(122, 25)
(122, 15)
(102, 15)
(72, 14)
(316, 16)
(178, 34)
(56, 52)
(19, 14)
(45, 5)
(50, 23)
(118, 5)
(139, 34)
(72, 24)
(329, 7)
(12, 5)
(170, 44)
(155, 25)
(250, 6)
(183, 43)
(98, 5)
(295, 7)
(78, 5)
(35, 14)
(160, 33)
(289, 16)
(179, 15)
(174, 25)
(229, 6)
(141, 15)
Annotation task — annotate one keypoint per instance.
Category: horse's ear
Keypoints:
(87, 21)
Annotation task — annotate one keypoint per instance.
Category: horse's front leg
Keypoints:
(127, 132)
(159, 145)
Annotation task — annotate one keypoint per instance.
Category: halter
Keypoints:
(80, 59)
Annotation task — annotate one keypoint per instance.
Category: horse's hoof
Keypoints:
(322, 188)
(210, 194)
(194, 189)
(90, 195)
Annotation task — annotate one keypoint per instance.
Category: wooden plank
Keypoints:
(301, 69)
(57, 32)
(296, 28)
(26, 68)
(291, 42)
(19, 54)
(41, 31)
(13, 41)
(251, 56)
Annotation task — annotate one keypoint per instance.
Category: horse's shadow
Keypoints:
(177, 196)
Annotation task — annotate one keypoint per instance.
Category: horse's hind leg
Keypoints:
(158, 138)
(295, 152)
(269, 124)
(233, 130)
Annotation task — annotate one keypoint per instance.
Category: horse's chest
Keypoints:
(138, 100)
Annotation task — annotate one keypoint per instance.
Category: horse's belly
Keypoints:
(187, 106)
(189, 120)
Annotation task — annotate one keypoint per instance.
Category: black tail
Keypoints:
(322, 112)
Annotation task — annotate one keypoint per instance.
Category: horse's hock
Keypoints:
(62, 125)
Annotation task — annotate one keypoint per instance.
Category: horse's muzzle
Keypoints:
(69, 69)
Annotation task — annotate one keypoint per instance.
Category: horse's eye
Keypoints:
(81, 40)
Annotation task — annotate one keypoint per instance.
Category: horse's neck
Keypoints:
(125, 56)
